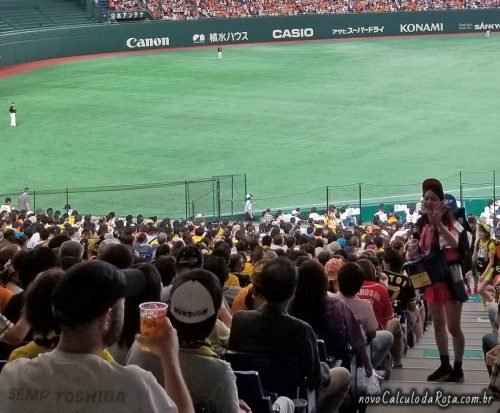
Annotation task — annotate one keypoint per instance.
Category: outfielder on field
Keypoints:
(12, 111)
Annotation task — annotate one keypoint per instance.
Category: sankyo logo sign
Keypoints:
(133, 43)
(198, 38)
(293, 33)
(487, 26)
(421, 27)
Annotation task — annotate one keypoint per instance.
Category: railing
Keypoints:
(224, 195)
(208, 197)
(471, 189)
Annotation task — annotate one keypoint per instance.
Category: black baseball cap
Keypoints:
(190, 257)
(89, 289)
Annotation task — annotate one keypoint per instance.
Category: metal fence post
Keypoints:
(360, 204)
(213, 196)
(494, 201)
(218, 200)
(34, 200)
(461, 189)
(232, 195)
(327, 202)
(186, 197)
(246, 189)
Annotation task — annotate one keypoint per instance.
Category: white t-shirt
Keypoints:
(314, 216)
(33, 241)
(382, 215)
(412, 218)
(60, 382)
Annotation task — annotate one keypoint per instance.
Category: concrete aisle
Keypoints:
(423, 359)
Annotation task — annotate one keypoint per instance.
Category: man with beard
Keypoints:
(88, 304)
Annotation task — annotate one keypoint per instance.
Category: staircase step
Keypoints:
(423, 359)
(419, 374)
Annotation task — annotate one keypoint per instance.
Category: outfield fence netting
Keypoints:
(224, 196)
(207, 197)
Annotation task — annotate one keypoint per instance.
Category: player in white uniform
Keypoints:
(12, 111)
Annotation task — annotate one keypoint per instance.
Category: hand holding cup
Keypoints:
(157, 332)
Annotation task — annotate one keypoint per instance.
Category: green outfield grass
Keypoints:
(294, 117)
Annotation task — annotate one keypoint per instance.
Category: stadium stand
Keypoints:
(17, 15)
(33, 241)
(194, 9)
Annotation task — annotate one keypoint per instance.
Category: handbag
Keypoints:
(457, 283)
(428, 269)
(367, 385)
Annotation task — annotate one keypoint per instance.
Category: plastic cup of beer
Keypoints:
(413, 244)
(300, 405)
(152, 315)
(412, 249)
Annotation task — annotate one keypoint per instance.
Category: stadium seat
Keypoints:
(16, 15)
(323, 356)
(251, 392)
(279, 374)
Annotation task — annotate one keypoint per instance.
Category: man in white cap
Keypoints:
(249, 208)
(193, 307)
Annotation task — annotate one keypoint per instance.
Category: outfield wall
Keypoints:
(62, 42)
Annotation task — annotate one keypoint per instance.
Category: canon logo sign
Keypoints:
(133, 43)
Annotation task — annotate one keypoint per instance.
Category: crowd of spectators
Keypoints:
(334, 274)
(195, 9)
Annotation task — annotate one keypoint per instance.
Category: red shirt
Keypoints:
(379, 297)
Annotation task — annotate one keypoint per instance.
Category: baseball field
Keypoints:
(294, 117)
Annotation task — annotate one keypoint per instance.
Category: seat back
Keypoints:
(336, 346)
(250, 390)
(325, 357)
(279, 374)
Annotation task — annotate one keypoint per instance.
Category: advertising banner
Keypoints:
(60, 42)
